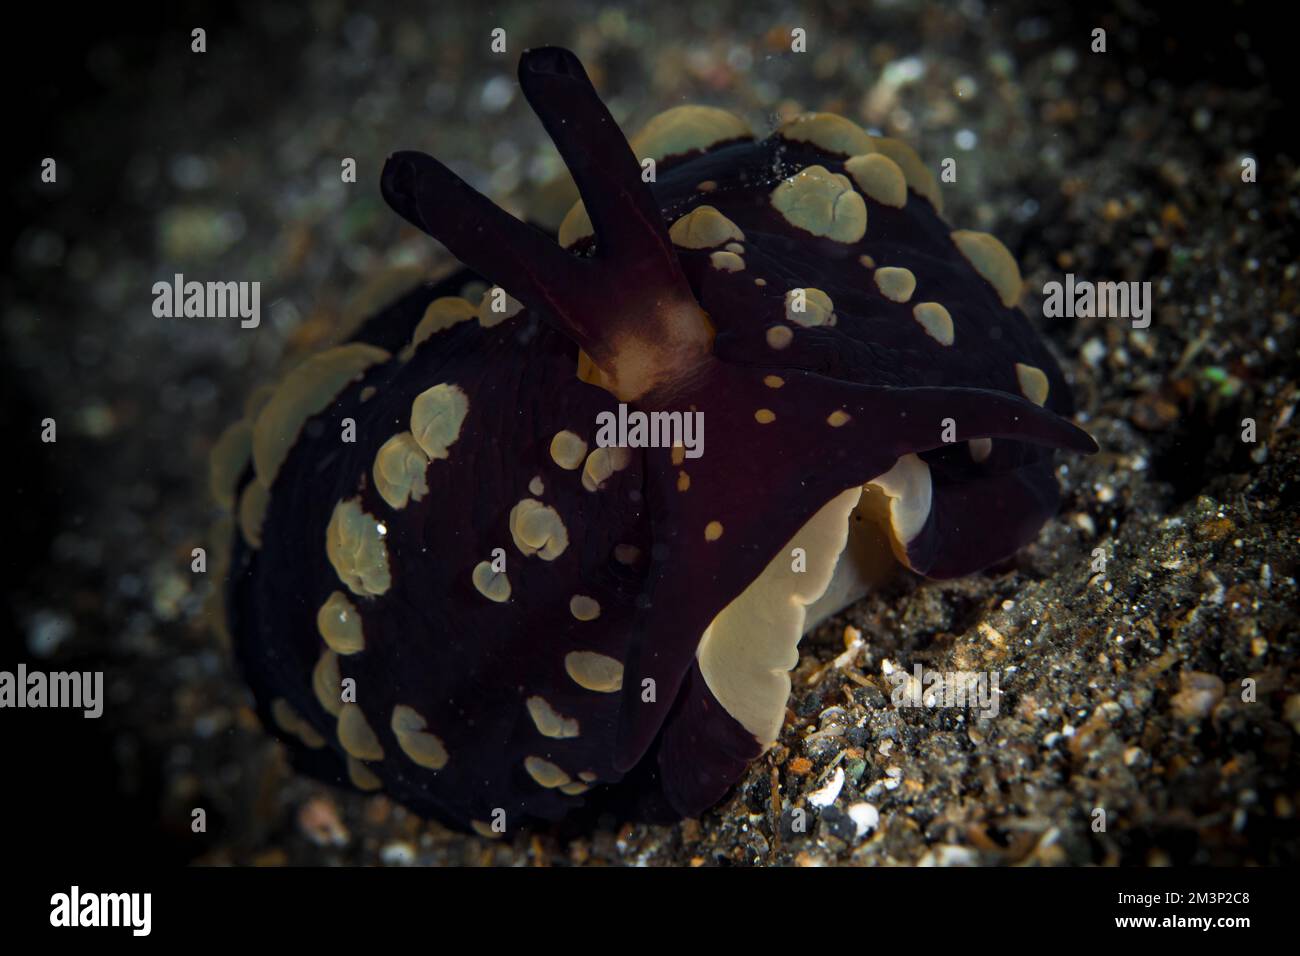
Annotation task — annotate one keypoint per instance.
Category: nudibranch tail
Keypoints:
(642, 343)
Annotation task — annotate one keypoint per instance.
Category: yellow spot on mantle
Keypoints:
(423, 748)
(822, 203)
(441, 314)
(601, 465)
(252, 512)
(484, 829)
(356, 549)
(548, 721)
(291, 722)
(773, 381)
(593, 671)
(726, 262)
(713, 531)
(765, 416)
(356, 735)
(362, 777)
(584, 608)
(326, 683)
(493, 585)
(339, 624)
(838, 418)
(568, 450)
(227, 460)
(576, 226)
(993, 261)
(1033, 383)
(436, 418)
(399, 470)
(880, 178)
(918, 175)
(488, 316)
(895, 283)
(306, 391)
(545, 773)
(818, 309)
(936, 321)
(537, 529)
(704, 228)
(685, 129)
(831, 132)
(779, 336)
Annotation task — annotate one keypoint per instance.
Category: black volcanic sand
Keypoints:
(1122, 690)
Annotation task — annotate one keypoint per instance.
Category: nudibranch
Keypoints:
(477, 605)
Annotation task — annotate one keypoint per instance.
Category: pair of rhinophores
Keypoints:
(476, 609)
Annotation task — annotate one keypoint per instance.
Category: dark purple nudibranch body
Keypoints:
(495, 556)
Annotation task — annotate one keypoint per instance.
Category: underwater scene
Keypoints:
(651, 435)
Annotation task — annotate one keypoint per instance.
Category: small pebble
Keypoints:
(397, 853)
(318, 819)
(1199, 693)
(825, 795)
(948, 855)
(865, 817)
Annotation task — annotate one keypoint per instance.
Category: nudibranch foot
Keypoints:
(785, 466)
